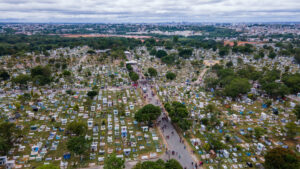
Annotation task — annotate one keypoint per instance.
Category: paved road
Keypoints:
(200, 79)
(294, 98)
(184, 156)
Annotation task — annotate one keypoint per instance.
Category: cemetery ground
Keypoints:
(241, 131)
(109, 117)
(101, 93)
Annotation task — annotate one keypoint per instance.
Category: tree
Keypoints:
(161, 53)
(91, 52)
(292, 129)
(297, 111)
(297, 57)
(24, 97)
(210, 108)
(129, 67)
(281, 158)
(159, 164)
(258, 132)
(4, 75)
(92, 94)
(185, 52)
(153, 52)
(169, 59)
(41, 75)
(275, 89)
(179, 115)
(204, 121)
(78, 145)
(78, 128)
(134, 76)
(229, 64)
(40, 70)
(272, 55)
(206, 147)
(292, 81)
(223, 51)
(170, 75)
(112, 162)
(175, 39)
(147, 113)
(215, 142)
(21, 79)
(8, 135)
(237, 86)
(70, 92)
(172, 164)
(48, 166)
(152, 72)
(66, 73)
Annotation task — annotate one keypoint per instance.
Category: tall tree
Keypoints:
(147, 113)
(134, 76)
(161, 53)
(170, 75)
(48, 166)
(112, 162)
(152, 72)
(297, 111)
(78, 145)
(8, 134)
(78, 128)
(292, 129)
(281, 158)
(237, 86)
(21, 80)
(4, 75)
(92, 94)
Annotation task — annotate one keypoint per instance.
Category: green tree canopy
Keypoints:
(4, 75)
(112, 162)
(129, 67)
(8, 134)
(41, 75)
(258, 132)
(161, 53)
(237, 86)
(170, 75)
(185, 52)
(178, 114)
(292, 129)
(78, 128)
(66, 73)
(21, 79)
(134, 76)
(48, 166)
(281, 158)
(78, 145)
(292, 81)
(272, 55)
(147, 113)
(169, 59)
(159, 164)
(152, 72)
(92, 94)
(297, 111)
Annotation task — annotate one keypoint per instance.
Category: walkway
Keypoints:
(181, 152)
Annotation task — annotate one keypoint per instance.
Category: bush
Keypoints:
(170, 76)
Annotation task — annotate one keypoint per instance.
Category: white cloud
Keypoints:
(149, 10)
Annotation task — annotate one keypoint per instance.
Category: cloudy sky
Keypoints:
(149, 10)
